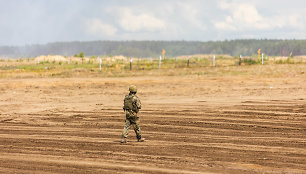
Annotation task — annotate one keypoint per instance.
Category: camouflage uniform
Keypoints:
(132, 117)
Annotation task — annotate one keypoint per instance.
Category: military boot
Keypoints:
(123, 140)
(141, 140)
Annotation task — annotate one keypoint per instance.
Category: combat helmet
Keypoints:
(133, 88)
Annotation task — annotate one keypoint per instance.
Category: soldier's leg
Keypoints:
(137, 128)
(126, 128)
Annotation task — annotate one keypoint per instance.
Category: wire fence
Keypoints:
(109, 63)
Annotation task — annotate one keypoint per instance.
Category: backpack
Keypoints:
(129, 103)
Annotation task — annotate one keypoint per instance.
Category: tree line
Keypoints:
(246, 47)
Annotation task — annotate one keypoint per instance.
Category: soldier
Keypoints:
(131, 107)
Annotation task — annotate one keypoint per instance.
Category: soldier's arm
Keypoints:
(123, 105)
(138, 103)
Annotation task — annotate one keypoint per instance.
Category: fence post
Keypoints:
(131, 61)
(159, 65)
(262, 59)
(214, 58)
(188, 61)
(100, 64)
(240, 59)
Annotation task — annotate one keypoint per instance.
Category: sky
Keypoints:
(26, 22)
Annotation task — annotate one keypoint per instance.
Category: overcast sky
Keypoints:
(43, 21)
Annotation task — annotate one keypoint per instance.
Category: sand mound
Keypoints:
(51, 58)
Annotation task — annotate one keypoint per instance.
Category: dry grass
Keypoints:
(119, 66)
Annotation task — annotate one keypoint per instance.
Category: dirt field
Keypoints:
(230, 123)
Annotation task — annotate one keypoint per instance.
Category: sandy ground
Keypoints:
(193, 124)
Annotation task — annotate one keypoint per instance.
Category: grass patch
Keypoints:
(249, 61)
(287, 61)
(121, 67)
